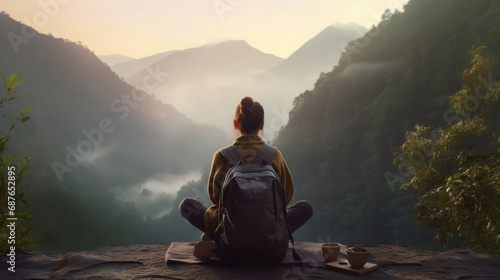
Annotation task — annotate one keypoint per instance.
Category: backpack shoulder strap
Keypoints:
(267, 153)
(231, 154)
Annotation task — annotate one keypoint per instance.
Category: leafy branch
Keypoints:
(9, 166)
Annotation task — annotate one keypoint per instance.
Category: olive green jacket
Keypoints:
(246, 145)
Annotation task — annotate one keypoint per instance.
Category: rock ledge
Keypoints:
(148, 262)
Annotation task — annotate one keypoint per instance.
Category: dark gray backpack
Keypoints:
(253, 226)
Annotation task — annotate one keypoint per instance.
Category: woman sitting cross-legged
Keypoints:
(248, 121)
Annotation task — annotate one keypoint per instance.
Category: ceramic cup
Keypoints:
(330, 251)
(357, 256)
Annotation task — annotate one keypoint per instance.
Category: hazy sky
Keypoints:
(139, 28)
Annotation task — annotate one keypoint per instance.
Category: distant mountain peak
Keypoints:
(220, 41)
(321, 52)
(337, 28)
(347, 25)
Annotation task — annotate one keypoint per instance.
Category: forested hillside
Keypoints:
(340, 138)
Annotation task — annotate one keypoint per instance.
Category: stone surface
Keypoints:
(148, 262)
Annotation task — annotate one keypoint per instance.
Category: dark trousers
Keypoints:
(193, 211)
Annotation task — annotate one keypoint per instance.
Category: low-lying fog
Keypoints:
(155, 197)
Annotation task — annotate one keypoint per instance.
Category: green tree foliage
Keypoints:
(13, 200)
(459, 183)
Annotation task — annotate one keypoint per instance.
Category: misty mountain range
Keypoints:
(97, 144)
(224, 72)
(131, 67)
(106, 155)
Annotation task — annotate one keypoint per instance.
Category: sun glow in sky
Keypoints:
(141, 28)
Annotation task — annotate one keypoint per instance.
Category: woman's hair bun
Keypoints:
(249, 116)
(246, 105)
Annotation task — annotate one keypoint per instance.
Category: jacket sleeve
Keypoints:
(281, 168)
(215, 180)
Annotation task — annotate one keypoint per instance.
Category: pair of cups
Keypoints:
(356, 256)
